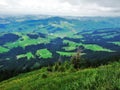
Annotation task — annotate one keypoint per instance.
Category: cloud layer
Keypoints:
(61, 7)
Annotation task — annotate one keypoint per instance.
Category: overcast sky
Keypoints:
(61, 7)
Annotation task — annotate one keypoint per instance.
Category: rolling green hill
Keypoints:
(102, 78)
(27, 40)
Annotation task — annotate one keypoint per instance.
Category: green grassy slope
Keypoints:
(101, 78)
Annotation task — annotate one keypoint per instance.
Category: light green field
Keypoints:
(110, 36)
(71, 45)
(70, 48)
(44, 53)
(29, 56)
(63, 34)
(67, 29)
(76, 36)
(65, 53)
(94, 47)
(116, 43)
(88, 32)
(62, 24)
(27, 42)
(3, 49)
(69, 54)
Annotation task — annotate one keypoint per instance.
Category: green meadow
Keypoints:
(44, 53)
(3, 49)
(26, 41)
(65, 53)
(101, 78)
(116, 43)
(28, 55)
(94, 47)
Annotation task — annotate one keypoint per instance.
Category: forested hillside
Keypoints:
(105, 77)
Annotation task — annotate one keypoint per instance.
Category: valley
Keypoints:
(23, 43)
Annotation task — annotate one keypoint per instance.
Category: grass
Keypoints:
(62, 24)
(116, 43)
(94, 47)
(67, 29)
(69, 48)
(65, 53)
(44, 53)
(29, 56)
(71, 45)
(26, 41)
(76, 36)
(110, 36)
(3, 49)
(102, 78)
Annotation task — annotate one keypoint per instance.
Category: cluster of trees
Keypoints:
(76, 62)
(6, 74)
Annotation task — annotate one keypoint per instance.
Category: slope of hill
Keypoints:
(102, 78)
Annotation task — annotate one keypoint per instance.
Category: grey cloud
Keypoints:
(106, 3)
(72, 7)
(113, 4)
(116, 10)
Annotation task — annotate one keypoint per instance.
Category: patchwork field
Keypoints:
(42, 41)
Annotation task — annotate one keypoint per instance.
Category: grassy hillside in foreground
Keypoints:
(102, 78)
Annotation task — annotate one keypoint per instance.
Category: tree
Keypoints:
(49, 68)
(58, 64)
(75, 59)
(60, 60)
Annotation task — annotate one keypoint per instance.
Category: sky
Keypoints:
(61, 7)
